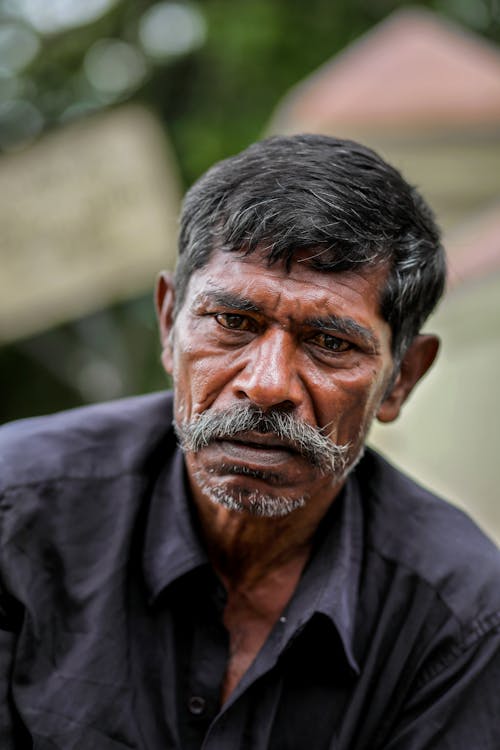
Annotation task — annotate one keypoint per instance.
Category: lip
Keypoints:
(255, 450)
(264, 441)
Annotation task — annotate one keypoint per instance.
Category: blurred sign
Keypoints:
(88, 217)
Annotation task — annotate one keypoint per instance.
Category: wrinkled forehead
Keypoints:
(248, 282)
(318, 265)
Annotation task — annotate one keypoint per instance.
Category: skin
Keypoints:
(310, 342)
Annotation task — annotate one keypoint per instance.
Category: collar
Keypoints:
(330, 582)
(172, 546)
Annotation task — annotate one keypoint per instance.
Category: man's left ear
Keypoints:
(164, 302)
(417, 360)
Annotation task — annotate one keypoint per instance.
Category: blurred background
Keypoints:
(110, 109)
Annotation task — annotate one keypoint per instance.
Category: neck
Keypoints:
(247, 550)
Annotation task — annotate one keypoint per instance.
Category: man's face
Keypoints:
(308, 345)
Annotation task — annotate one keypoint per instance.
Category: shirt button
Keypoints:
(196, 705)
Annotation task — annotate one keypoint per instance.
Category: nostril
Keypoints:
(240, 394)
(285, 406)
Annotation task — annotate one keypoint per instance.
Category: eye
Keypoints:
(331, 343)
(235, 322)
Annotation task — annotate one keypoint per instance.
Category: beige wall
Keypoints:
(449, 434)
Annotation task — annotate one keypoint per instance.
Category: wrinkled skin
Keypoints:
(250, 333)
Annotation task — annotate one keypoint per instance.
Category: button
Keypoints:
(196, 705)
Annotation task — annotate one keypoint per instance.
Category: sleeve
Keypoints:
(455, 705)
(13, 735)
(9, 623)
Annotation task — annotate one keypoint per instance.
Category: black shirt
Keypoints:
(111, 631)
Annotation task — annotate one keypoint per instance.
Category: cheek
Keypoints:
(199, 376)
(350, 402)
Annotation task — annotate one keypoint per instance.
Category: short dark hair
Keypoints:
(335, 196)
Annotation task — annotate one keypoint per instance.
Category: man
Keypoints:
(270, 585)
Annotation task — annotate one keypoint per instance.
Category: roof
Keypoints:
(414, 69)
(474, 247)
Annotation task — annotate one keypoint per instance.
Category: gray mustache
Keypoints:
(299, 436)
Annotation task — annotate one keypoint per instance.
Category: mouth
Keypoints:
(263, 440)
(257, 449)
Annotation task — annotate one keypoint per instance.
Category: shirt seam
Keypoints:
(470, 631)
(463, 624)
(458, 649)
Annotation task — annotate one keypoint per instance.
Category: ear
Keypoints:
(417, 360)
(164, 302)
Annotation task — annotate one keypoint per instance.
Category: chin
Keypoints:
(254, 501)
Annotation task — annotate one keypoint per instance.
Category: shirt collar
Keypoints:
(172, 545)
(330, 582)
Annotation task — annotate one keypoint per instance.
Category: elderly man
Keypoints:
(269, 584)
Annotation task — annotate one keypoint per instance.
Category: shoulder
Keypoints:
(427, 633)
(93, 441)
(73, 487)
(433, 541)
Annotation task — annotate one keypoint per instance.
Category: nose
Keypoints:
(269, 377)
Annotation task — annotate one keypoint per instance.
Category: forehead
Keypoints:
(295, 291)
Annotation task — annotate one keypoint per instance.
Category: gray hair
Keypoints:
(333, 196)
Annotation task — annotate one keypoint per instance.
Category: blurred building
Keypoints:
(88, 215)
(426, 95)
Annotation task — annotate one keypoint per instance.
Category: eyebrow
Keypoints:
(227, 299)
(347, 326)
